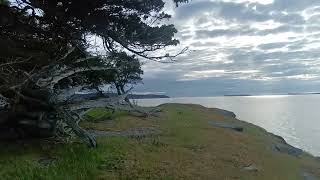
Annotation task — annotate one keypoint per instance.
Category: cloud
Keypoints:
(272, 41)
(205, 74)
(272, 45)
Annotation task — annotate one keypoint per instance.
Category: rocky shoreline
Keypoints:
(280, 145)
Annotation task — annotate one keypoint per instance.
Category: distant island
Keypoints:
(237, 95)
(304, 93)
(130, 96)
(146, 96)
(292, 94)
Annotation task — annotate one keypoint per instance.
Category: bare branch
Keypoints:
(67, 54)
(65, 95)
(4, 103)
(73, 123)
(84, 59)
(102, 102)
(49, 79)
(14, 62)
(154, 58)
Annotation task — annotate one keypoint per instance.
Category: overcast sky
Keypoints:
(241, 46)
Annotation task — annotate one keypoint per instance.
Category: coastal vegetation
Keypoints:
(52, 49)
(178, 143)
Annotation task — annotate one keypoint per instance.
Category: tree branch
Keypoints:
(4, 103)
(101, 102)
(14, 62)
(49, 79)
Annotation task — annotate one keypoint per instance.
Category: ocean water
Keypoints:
(295, 118)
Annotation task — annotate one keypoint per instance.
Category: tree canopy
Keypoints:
(45, 55)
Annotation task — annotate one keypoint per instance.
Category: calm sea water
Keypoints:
(295, 118)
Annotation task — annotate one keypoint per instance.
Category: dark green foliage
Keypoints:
(43, 31)
(126, 23)
(129, 71)
(45, 47)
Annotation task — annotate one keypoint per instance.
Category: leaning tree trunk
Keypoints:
(40, 113)
(118, 90)
(35, 107)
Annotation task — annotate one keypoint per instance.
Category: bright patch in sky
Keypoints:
(274, 41)
(252, 1)
(266, 25)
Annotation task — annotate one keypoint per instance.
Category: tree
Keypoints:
(129, 71)
(44, 56)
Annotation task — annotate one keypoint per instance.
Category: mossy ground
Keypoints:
(187, 148)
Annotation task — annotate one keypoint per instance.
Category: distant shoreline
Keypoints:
(147, 96)
(311, 93)
(237, 95)
(250, 95)
(130, 96)
(292, 94)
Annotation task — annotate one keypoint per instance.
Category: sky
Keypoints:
(241, 47)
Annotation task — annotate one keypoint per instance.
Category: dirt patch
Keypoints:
(139, 132)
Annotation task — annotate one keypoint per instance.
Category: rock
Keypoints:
(307, 175)
(283, 147)
(288, 149)
(46, 161)
(226, 125)
(226, 113)
(282, 140)
(251, 168)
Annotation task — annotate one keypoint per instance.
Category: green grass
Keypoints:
(187, 148)
(73, 161)
(101, 114)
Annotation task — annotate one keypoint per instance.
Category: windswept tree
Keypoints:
(126, 71)
(44, 56)
(129, 71)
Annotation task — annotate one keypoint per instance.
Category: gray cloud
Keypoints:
(280, 29)
(243, 42)
(272, 45)
(292, 5)
(202, 34)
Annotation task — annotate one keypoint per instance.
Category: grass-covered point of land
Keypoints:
(187, 147)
